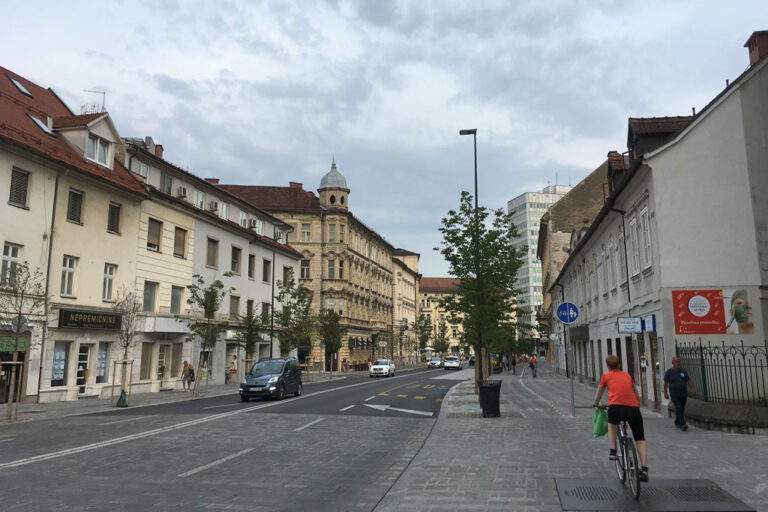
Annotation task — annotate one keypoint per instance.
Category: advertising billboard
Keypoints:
(712, 312)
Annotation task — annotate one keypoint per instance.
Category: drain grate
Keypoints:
(659, 495)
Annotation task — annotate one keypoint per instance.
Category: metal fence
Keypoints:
(732, 374)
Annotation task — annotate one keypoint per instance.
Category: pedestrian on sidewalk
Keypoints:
(513, 363)
(675, 380)
(533, 366)
(186, 373)
(505, 362)
(623, 404)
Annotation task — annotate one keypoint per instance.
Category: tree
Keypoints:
(249, 326)
(295, 319)
(128, 307)
(422, 328)
(206, 300)
(329, 329)
(440, 341)
(482, 256)
(22, 297)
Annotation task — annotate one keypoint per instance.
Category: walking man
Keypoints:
(675, 380)
(533, 366)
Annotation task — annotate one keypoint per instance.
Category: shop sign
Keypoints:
(11, 344)
(630, 325)
(88, 319)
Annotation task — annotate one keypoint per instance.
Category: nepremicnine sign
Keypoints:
(88, 319)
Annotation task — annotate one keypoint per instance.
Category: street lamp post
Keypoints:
(480, 358)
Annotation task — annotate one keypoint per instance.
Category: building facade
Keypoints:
(431, 291)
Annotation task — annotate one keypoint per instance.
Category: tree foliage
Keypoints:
(440, 341)
(330, 330)
(129, 308)
(295, 319)
(22, 294)
(422, 328)
(249, 327)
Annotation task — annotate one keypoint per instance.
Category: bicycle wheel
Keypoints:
(620, 460)
(633, 470)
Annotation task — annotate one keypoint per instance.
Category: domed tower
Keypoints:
(333, 189)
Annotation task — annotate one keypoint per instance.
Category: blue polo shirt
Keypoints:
(678, 382)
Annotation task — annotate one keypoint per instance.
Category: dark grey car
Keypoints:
(272, 378)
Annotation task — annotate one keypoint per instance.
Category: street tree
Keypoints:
(422, 328)
(128, 307)
(205, 300)
(22, 298)
(330, 331)
(249, 326)
(295, 319)
(480, 253)
(440, 341)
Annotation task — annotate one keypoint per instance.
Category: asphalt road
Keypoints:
(340, 446)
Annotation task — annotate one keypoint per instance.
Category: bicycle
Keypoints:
(626, 458)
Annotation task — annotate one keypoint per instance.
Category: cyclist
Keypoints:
(624, 405)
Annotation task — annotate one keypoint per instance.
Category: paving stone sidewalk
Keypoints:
(471, 463)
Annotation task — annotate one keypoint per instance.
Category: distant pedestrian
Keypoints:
(513, 363)
(186, 376)
(505, 362)
(675, 380)
(532, 364)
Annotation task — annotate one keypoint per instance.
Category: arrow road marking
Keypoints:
(385, 407)
(215, 463)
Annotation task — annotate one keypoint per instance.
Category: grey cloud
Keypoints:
(175, 87)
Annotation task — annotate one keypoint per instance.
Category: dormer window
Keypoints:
(19, 86)
(97, 149)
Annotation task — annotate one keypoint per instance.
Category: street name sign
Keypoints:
(630, 324)
(567, 312)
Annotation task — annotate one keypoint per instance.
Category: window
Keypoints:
(266, 271)
(341, 234)
(60, 357)
(305, 233)
(243, 219)
(19, 182)
(109, 281)
(341, 269)
(102, 360)
(154, 229)
(341, 307)
(646, 228)
(622, 259)
(235, 265)
(331, 233)
(612, 257)
(10, 262)
(212, 253)
(179, 242)
(19, 86)
(634, 245)
(604, 269)
(279, 236)
(97, 149)
(264, 310)
(198, 199)
(166, 183)
(252, 266)
(286, 274)
(234, 306)
(331, 269)
(304, 269)
(68, 267)
(249, 307)
(177, 293)
(139, 168)
(330, 303)
(223, 210)
(259, 226)
(113, 218)
(150, 290)
(74, 206)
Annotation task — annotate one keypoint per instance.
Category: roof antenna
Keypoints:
(93, 108)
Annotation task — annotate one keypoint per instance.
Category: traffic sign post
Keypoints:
(567, 312)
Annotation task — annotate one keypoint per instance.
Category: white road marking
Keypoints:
(369, 398)
(121, 421)
(386, 407)
(347, 408)
(215, 463)
(6, 439)
(217, 406)
(318, 420)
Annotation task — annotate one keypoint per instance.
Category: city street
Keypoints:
(341, 445)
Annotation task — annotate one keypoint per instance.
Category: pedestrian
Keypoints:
(675, 380)
(505, 362)
(623, 405)
(532, 364)
(185, 372)
(513, 362)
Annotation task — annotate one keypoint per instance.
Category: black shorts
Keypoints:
(632, 415)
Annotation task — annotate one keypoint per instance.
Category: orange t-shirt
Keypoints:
(620, 388)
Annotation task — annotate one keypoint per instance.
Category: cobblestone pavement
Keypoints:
(470, 463)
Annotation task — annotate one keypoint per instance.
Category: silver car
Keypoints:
(382, 368)
(452, 363)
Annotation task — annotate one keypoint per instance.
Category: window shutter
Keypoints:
(19, 188)
(113, 221)
(153, 234)
(179, 242)
(74, 206)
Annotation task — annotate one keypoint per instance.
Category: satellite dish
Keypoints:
(19, 324)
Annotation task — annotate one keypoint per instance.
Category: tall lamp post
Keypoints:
(480, 358)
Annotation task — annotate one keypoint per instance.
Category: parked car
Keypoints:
(382, 367)
(435, 362)
(271, 378)
(452, 363)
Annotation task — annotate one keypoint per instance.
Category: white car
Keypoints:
(382, 367)
(452, 363)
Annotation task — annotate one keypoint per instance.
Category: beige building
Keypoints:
(347, 265)
(406, 300)
(431, 290)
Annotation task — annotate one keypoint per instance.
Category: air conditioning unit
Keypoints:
(252, 223)
(181, 192)
(213, 206)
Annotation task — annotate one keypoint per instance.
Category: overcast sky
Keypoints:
(268, 92)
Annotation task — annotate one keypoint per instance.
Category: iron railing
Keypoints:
(732, 374)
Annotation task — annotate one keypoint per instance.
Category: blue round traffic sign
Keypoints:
(567, 312)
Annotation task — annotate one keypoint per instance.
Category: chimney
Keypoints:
(159, 150)
(215, 181)
(758, 46)
(293, 184)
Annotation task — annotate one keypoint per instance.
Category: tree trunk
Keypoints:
(123, 377)
(198, 373)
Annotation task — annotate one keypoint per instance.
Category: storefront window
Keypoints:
(102, 361)
(60, 356)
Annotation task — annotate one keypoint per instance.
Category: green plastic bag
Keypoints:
(599, 423)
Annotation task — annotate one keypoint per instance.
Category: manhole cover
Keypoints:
(659, 495)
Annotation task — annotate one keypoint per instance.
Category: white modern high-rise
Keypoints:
(526, 210)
